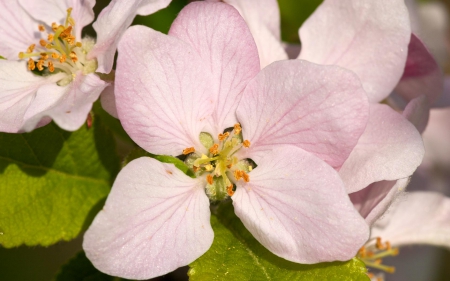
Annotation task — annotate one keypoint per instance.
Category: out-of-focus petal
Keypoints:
(444, 99)
(17, 29)
(389, 149)
(108, 100)
(18, 88)
(112, 22)
(155, 220)
(163, 95)
(417, 111)
(321, 109)
(436, 138)
(49, 11)
(419, 218)
(422, 75)
(297, 207)
(368, 37)
(225, 44)
(263, 19)
(374, 200)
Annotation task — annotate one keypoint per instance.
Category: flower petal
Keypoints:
(225, 44)
(108, 100)
(17, 29)
(155, 220)
(112, 22)
(321, 109)
(297, 207)
(163, 95)
(422, 75)
(374, 200)
(348, 34)
(18, 88)
(420, 218)
(263, 19)
(389, 149)
(417, 111)
(49, 11)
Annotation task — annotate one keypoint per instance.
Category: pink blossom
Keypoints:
(45, 37)
(293, 119)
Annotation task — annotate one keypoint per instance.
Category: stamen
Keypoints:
(42, 42)
(50, 38)
(31, 65)
(246, 143)
(21, 55)
(188, 150)
(78, 44)
(237, 128)
(245, 176)
(372, 254)
(31, 48)
(209, 179)
(51, 67)
(209, 167)
(40, 65)
(44, 56)
(41, 28)
(237, 174)
(223, 136)
(214, 149)
(62, 59)
(73, 56)
(55, 55)
(54, 26)
(230, 190)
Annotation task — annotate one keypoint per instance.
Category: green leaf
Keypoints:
(236, 255)
(52, 182)
(139, 152)
(80, 268)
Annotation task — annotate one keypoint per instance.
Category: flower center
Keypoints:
(221, 164)
(372, 254)
(61, 52)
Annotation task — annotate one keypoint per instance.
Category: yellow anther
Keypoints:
(223, 136)
(42, 42)
(55, 55)
(73, 56)
(78, 44)
(237, 128)
(246, 143)
(230, 190)
(50, 37)
(31, 48)
(44, 56)
(209, 167)
(188, 150)
(41, 28)
(49, 46)
(214, 149)
(250, 168)
(209, 179)
(51, 68)
(31, 65)
(66, 32)
(62, 59)
(54, 26)
(40, 65)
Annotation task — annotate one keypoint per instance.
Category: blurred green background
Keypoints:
(41, 264)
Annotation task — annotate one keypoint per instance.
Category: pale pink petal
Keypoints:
(225, 44)
(417, 111)
(297, 207)
(422, 75)
(321, 109)
(368, 37)
(163, 95)
(374, 200)
(436, 138)
(18, 88)
(155, 220)
(17, 29)
(419, 218)
(112, 22)
(49, 11)
(263, 19)
(108, 100)
(389, 149)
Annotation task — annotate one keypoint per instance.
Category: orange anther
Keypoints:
(209, 179)
(42, 42)
(223, 136)
(246, 143)
(188, 150)
(51, 68)
(73, 56)
(62, 59)
(237, 128)
(44, 56)
(55, 55)
(50, 37)
(237, 174)
(66, 32)
(40, 65)
(41, 28)
(214, 149)
(230, 190)
(54, 26)
(195, 169)
(31, 48)
(31, 65)
(245, 176)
